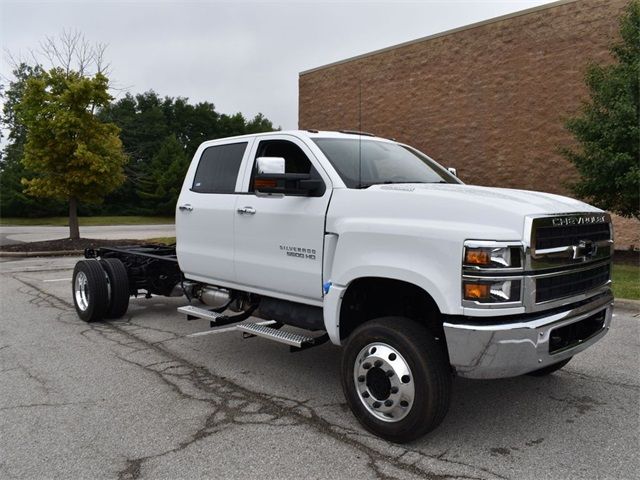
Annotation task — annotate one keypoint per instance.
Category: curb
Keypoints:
(627, 303)
(59, 253)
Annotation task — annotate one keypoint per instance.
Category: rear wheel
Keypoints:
(118, 287)
(90, 290)
(396, 378)
(543, 372)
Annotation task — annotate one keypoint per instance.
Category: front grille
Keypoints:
(568, 284)
(562, 236)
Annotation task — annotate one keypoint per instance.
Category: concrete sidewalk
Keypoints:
(20, 234)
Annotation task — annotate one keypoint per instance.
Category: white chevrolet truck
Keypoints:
(305, 237)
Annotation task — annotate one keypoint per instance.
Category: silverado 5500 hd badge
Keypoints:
(290, 251)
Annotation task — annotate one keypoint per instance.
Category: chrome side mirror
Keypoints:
(270, 165)
(452, 171)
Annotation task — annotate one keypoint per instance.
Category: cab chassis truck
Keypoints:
(372, 245)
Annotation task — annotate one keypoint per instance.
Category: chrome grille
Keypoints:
(571, 283)
(570, 240)
(561, 236)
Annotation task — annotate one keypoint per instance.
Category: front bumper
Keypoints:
(501, 350)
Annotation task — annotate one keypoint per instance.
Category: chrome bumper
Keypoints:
(509, 350)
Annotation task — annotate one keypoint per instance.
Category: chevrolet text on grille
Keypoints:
(565, 221)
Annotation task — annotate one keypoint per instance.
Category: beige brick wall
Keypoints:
(489, 100)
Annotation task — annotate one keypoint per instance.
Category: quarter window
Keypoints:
(218, 168)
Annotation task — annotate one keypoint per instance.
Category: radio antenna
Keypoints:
(360, 133)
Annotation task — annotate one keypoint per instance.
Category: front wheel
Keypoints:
(396, 378)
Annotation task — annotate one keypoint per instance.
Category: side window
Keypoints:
(295, 160)
(218, 169)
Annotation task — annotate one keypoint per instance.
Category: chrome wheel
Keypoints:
(384, 382)
(81, 291)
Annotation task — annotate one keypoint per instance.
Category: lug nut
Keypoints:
(390, 373)
(366, 365)
(376, 404)
(388, 403)
(394, 389)
(405, 379)
(404, 403)
(365, 394)
(378, 363)
(361, 378)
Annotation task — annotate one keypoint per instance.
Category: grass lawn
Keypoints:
(163, 240)
(626, 281)
(87, 221)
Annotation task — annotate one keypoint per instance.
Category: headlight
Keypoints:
(492, 274)
(492, 291)
(481, 256)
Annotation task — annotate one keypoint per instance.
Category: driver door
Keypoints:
(278, 237)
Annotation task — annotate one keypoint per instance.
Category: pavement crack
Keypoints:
(46, 405)
(232, 405)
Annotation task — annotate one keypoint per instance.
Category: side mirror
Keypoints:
(453, 171)
(271, 178)
(270, 165)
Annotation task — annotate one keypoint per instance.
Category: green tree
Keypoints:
(162, 187)
(13, 201)
(608, 127)
(75, 156)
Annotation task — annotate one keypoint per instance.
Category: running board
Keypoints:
(288, 338)
(193, 312)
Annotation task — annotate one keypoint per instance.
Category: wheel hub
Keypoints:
(81, 291)
(378, 383)
(384, 382)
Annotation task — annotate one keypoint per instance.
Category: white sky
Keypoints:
(242, 56)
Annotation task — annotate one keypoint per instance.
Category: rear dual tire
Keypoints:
(100, 289)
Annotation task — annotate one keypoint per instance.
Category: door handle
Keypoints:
(247, 211)
(186, 207)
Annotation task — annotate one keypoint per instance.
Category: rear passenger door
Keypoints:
(205, 212)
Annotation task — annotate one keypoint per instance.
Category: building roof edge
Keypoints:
(441, 34)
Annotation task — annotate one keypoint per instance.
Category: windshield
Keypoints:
(362, 163)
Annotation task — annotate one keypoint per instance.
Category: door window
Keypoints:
(295, 160)
(218, 168)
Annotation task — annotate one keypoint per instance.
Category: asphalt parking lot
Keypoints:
(155, 396)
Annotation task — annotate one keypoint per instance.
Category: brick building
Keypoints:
(489, 99)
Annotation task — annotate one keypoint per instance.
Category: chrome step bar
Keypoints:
(282, 336)
(194, 312)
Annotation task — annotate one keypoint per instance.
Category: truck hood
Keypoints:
(521, 202)
(470, 211)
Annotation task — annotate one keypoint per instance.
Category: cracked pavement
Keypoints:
(141, 398)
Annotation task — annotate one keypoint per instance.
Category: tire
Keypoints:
(118, 287)
(420, 375)
(90, 290)
(548, 370)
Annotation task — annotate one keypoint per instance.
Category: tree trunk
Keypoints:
(74, 229)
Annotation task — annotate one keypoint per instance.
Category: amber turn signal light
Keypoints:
(477, 256)
(476, 291)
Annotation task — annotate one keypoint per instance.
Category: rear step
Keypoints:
(289, 338)
(194, 312)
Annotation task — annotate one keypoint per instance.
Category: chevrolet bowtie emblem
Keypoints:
(585, 249)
